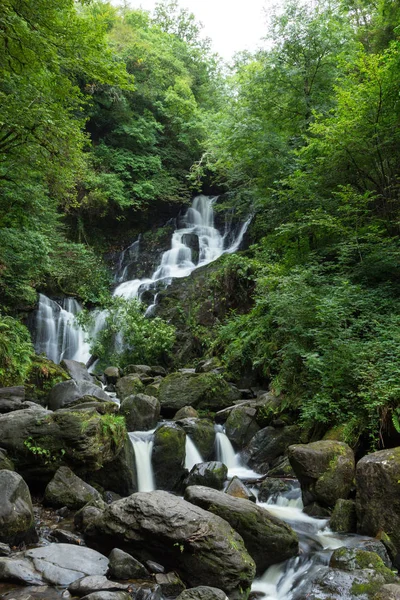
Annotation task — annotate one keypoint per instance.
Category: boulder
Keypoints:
(169, 456)
(112, 374)
(237, 489)
(344, 518)
(153, 389)
(141, 412)
(281, 467)
(202, 592)
(5, 461)
(55, 564)
(209, 365)
(129, 386)
(273, 487)
(186, 412)
(67, 489)
(107, 595)
(202, 433)
(211, 474)
(267, 539)
(41, 441)
(16, 512)
(325, 470)
(241, 426)
(63, 536)
(94, 583)
(206, 391)
(68, 393)
(389, 591)
(170, 583)
(118, 476)
(176, 532)
(76, 370)
(138, 370)
(124, 566)
(268, 444)
(43, 375)
(378, 499)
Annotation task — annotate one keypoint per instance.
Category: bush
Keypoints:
(16, 352)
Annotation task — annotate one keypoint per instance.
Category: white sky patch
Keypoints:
(232, 25)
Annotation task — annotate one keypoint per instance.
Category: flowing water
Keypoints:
(142, 442)
(193, 456)
(227, 455)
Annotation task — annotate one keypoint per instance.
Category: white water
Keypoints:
(193, 456)
(226, 454)
(57, 333)
(142, 442)
(179, 261)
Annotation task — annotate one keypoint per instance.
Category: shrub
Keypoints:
(16, 351)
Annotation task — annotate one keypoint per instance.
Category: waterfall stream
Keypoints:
(226, 454)
(142, 442)
(193, 456)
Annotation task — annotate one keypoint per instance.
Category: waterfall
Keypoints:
(57, 335)
(197, 243)
(193, 456)
(126, 259)
(225, 451)
(142, 442)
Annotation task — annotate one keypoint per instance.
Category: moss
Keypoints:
(43, 375)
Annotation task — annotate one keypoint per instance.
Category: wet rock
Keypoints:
(202, 433)
(111, 497)
(76, 370)
(55, 564)
(161, 524)
(237, 489)
(129, 386)
(186, 412)
(202, 592)
(141, 412)
(211, 474)
(5, 461)
(67, 489)
(378, 499)
(281, 467)
(68, 393)
(155, 567)
(5, 550)
(64, 536)
(124, 566)
(169, 456)
(390, 591)
(268, 444)
(158, 371)
(106, 595)
(268, 539)
(170, 583)
(206, 391)
(351, 559)
(94, 583)
(119, 475)
(241, 426)
(112, 374)
(325, 470)
(371, 545)
(317, 511)
(273, 487)
(334, 584)
(16, 511)
(137, 370)
(344, 518)
(153, 389)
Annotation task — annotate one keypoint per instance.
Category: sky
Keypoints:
(233, 25)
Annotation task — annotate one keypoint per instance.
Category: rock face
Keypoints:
(55, 564)
(68, 393)
(378, 500)
(141, 412)
(202, 433)
(169, 456)
(40, 441)
(325, 470)
(76, 370)
(206, 391)
(177, 533)
(241, 425)
(66, 489)
(129, 386)
(268, 444)
(211, 474)
(267, 539)
(16, 511)
(344, 518)
(5, 461)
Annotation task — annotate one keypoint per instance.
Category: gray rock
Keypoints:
(76, 370)
(241, 426)
(104, 595)
(55, 564)
(202, 433)
(5, 461)
(5, 550)
(170, 583)
(68, 393)
(94, 583)
(186, 412)
(119, 475)
(169, 456)
(211, 474)
(237, 489)
(129, 386)
(124, 566)
(389, 591)
(202, 592)
(141, 412)
(344, 518)
(16, 512)
(155, 567)
(67, 489)
(378, 499)
(63, 536)
(273, 486)
(176, 532)
(325, 470)
(268, 444)
(268, 539)
(206, 366)
(112, 374)
(138, 369)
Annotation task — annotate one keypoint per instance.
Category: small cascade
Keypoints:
(57, 334)
(193, 456)
(142, 442)
(126, 258)
(226, 454)
(197, 243)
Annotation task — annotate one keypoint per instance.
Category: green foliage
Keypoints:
(129, 337)
(113, 427)
(16, 352)
(44, 454)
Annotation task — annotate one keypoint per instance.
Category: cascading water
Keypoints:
(142, 442)
(193, 456)
(57, 333)
(226, 454)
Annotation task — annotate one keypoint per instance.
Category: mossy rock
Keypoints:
(169, 456)
(344, 518)
(43, 375)
(129, 386)
(202, 433)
